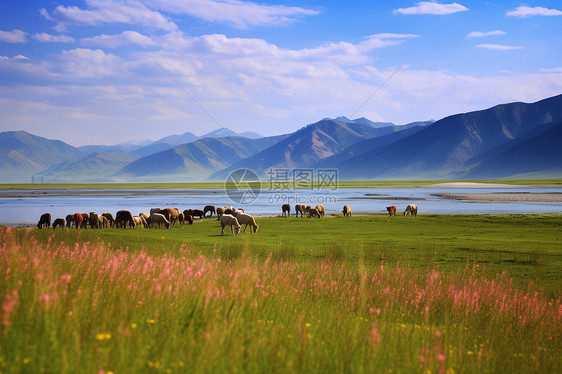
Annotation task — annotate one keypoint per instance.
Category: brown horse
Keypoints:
(299, 209)
(59, 222)
(44, 220)
(412, 209)
(78, 218)
(286, 208)
(209, 208)
(124, 219)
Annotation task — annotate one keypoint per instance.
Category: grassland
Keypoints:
(434, 293)
(219, 185)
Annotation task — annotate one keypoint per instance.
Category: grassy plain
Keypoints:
(218, 185)
(437, 293)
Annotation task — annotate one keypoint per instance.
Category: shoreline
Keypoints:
(553, 197)
(108, 190)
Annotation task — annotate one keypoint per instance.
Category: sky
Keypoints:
(112, 71)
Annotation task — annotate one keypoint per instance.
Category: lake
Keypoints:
(27, 208)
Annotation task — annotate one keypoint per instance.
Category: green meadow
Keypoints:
(219, 185)
(433, 293)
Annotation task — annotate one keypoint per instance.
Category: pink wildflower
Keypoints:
(10, 302)
(65, 278)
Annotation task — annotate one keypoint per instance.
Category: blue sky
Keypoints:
(98, 71)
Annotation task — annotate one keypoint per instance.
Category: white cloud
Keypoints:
(479, 34)
(15, 58)
(429, 7)
(114, 41)
(48, 38)
(499, 47)
(14, 36)
(87, 63)
(130, 12)
(553, 70)
(525, 11)
(240, 14)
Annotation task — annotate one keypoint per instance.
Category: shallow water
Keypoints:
(26, 210)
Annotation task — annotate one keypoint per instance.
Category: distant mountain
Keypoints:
(23, 154)
(95, 167)
(445, 148)
(219, 133)
(535, 155)
(307, 146)
(195, 160)
(251, 135)
(188, 137)
(365, 121)
(371, 144)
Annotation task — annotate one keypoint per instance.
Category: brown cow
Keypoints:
(391, 210)
(286, 208)
(209, 208)
(124, 218)
(59, 222)
(299, 208)
(44, 220)
(78, 218)
(346, 211)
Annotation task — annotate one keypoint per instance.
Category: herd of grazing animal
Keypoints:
(124, 219)
(319, 211)
(228, 216)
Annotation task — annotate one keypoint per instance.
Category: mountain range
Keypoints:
(514, 140)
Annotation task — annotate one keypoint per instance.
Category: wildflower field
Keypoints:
(439, 294)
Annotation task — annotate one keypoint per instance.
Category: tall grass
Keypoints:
(87, 307)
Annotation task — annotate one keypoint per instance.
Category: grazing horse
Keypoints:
(391, 210)
(286, 208)
(220, 212)
(124, 219)
(59, 222)
(44, 220)
(412, 209)
(209, 208)
(78, 218)
(299, 209)
(313, 212)
(189, 219)
(69, 220)
(197, 213)
(346, 211)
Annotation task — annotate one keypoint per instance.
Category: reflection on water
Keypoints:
(27, 209)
